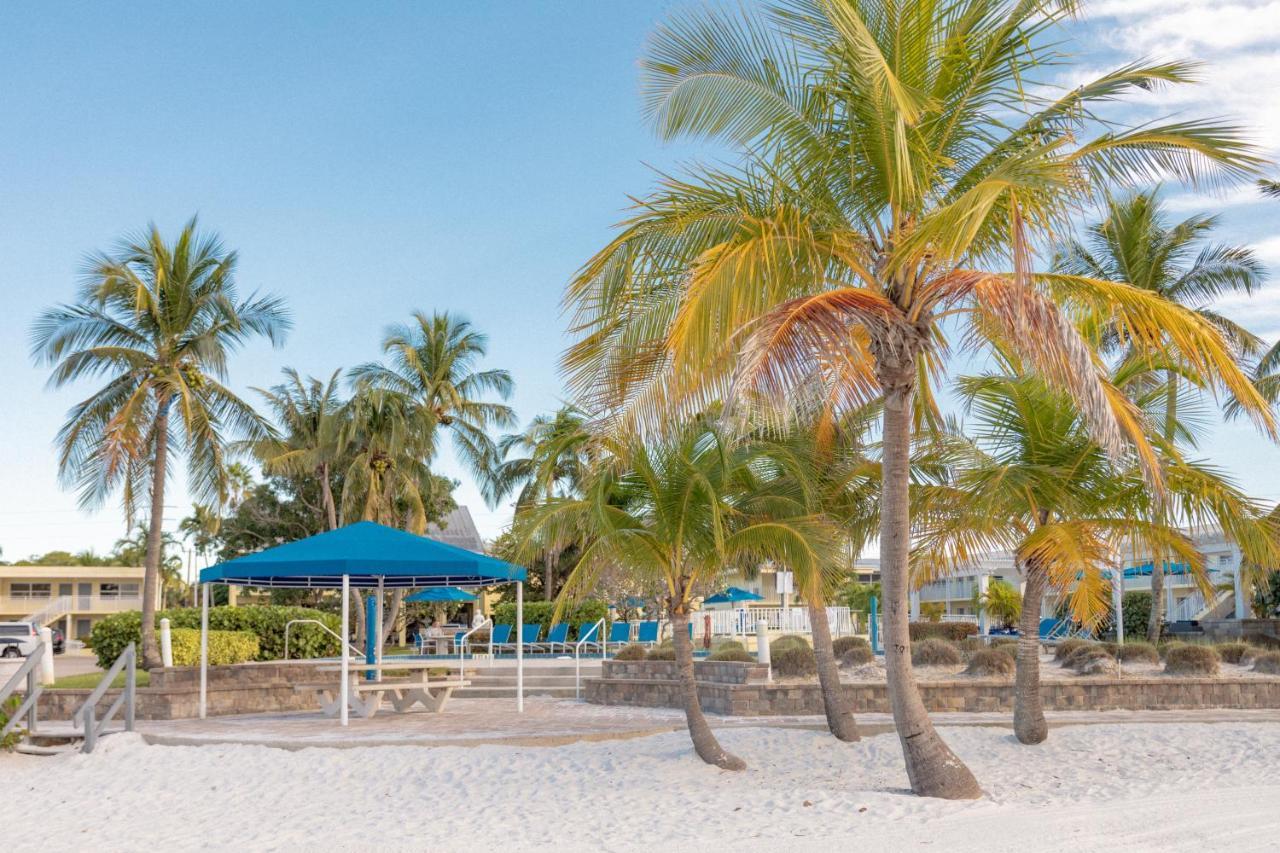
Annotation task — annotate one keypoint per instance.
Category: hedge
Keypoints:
(586, 612)
(225, 647)
(1187, 659)
(111, 635)
(954, 631)
(852, 651)
(793, 661)
(631, 652)
(935, 652)
(992, 661)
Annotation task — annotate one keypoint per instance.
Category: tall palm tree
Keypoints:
(892, 164)
(675, 511)
(1138, 244)
(312, 417)
(158, 320)
(550, 458)
(432, 362)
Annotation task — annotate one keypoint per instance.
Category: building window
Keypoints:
(30, 590)
(109, 590)
(130, 590)
(1223, 559)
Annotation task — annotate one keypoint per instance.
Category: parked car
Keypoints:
(59, 641)
(20, 639)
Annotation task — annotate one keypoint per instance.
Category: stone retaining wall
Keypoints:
(638, 686)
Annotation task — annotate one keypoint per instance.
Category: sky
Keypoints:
(367, 160)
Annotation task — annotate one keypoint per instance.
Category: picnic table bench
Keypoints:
(366, 697)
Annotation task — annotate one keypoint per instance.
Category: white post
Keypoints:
(166, 644)
(377, 624)
(1117, 594)
(204, 652)
(1241, 605)
(983, 582)
(762, 645)
(46, 660)
(915, 605)
(519, 647)
(346, 655)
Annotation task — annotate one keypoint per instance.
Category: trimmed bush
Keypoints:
(666, 651)
(225, 647)
(1066, 647)
(935, 652)
(585, 612)
(111, 635)
(1187, 659)
(954, 631)
(793, 661)
(13, 738)
(632, 652)
(1235, 652)
(731, 652)
(1092, 659)
(993, 661)
(1004, 643)
(787, 641)
(1138, 653)
(852, 651)
(1267, 662)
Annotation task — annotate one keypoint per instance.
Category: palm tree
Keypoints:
(433, 364)
(1136, 243)
(674, 512)
(159, 321)
(550, 458)
(312, 442)
(891, 165)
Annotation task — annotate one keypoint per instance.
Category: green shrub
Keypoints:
(1110, 647)
(787, 641)
(793, 661)
(1187, 659)
(225, 647)
(111, 635)
(852, 651)
(1140, 652)
(13, 738)
(1267, 662)
(935, 652)
(1066, 647)
(1137, 613)
(1235, 652)
(1003, 642)
(992, 661)
(663, 652)
(1091, 659)
(632, 652)
(731, 652)
(728, 644)
(954, 631)
(540, 612)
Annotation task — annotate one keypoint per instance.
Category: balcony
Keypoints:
(91, 605)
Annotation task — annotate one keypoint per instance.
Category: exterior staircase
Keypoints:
(540, 679)
(54, 610)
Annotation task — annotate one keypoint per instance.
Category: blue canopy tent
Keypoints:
(365, 555)
(444, 593)
(732, 595)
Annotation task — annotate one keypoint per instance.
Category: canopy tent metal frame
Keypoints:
(365, 555)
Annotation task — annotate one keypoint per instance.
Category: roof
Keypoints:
(459, 530)
(365, 552)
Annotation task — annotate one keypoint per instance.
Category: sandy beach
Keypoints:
(1166, 786)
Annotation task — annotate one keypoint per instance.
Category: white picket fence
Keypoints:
(790, 620)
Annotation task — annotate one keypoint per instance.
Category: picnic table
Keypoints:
(366, 697)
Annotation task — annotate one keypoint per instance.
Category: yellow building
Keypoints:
(68, 597)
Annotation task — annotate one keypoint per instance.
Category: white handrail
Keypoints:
(598, 631)
(327, 629)
(29, 672)
(462, 647)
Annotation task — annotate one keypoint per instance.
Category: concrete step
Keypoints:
(510, 692)
(545, 680)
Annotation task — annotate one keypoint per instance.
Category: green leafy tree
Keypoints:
(158, 320)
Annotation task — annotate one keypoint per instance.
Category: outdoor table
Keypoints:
(366, 697)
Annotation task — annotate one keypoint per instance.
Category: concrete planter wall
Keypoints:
(639, 685)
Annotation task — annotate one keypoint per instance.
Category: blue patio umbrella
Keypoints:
(732, 595)
(631, 601)
(442, 593)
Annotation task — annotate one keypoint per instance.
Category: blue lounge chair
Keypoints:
(648, 634)
(529, 637)
(589, 635)
(619, 635)
(558, 636)
(1054, 630)
(501, 638)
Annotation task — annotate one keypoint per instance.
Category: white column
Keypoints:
(1168, 596)
(984, 581)
(344, 687)
(46, 660)
(166, 643)
(377, 624)
(762, 646)
(1242, 604)
(520, 647)
(204, 651)
(1117, 596)
(915, 605)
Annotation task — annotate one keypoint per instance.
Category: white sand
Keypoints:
(1176, 786)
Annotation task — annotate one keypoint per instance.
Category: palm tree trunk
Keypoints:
(326, 491)
(839, 715)
(392, 614)
(1028, 712)
(704, 740)
(933, 769)
(549, 574)
(155, 542)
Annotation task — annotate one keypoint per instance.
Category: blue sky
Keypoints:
(370, 159)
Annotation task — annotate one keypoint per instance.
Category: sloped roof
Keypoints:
(458, 530)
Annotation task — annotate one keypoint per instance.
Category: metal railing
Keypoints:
(462, 647)
(327, 630)
(788, 619)
(85, 716)
(29, 672)
(53, 608)
(597, 631)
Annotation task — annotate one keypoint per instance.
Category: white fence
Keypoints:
(792, 620)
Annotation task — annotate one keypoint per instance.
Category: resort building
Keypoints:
(68, 597)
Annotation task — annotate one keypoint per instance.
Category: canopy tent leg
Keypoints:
(344, 687)
(519, 647)
(377, 647)
(204, 653)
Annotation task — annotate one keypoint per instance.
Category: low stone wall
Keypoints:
(712, 671)
(1260, 632)
(174, 694)
(638, 685)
